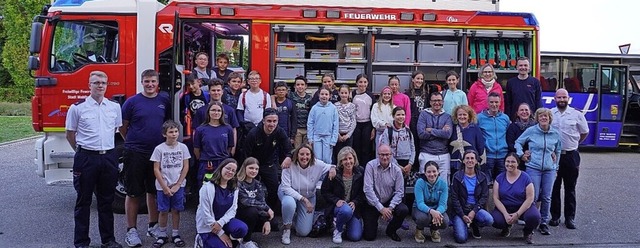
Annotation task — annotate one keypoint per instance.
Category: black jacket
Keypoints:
(333, 191)
(261, 146)
(459, 193)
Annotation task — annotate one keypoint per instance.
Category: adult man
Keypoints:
(494, 124)
(573, 129)
(90, 128)
(262, 142)
(522, 89)
(384, 188)
(143, 115)
(434, 131)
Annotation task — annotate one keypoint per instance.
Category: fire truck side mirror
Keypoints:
(33, 63)
(36, 37)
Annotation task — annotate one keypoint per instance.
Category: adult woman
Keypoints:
(252, 204)
(516, 128)
(466, 135)
(202, 69)
(469, 194)
(215, 218)
(431, 194)
(513, 196)
(344, 196)
(381, 117)
(363, 134)
(212, 142)
(453, 97)
(479, 91)
(541, 160)
(297, 191)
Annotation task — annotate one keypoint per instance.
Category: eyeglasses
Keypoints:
(487, 71)
(384, 154)
(254, 78)
(438, 100)
(98, 83)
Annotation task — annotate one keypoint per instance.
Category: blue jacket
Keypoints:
(541, 145)
(323, 121)
(472, 139)
(437, 141)
(494, 129)
(430, 196)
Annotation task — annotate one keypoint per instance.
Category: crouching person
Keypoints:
(215, 218)
(431, 193)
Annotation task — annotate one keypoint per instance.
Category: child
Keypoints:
(232, 89)
(364, 133)
(215, 218)
(347, 122)
(170, 166)
(452, 96)
(322, 127)
(212, 142)
(381, 117)
(193, 99)
(328, 81)
(400, 139)
(222, 70)
(253, 102)
(286, 110)
(302, 100)
(400, 99)
(252, 203)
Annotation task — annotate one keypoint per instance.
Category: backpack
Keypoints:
(390, 131)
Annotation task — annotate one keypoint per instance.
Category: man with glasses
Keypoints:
(434, 131)
(522, 89)
(384, 189)
(90, 128)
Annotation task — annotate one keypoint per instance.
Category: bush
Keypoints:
(15, 109)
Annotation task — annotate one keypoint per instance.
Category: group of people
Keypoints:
(362, 151)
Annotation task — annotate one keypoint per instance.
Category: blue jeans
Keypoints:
(291, 208)
(493, 164)
(344, 215)
(543, 184)
(460, 233)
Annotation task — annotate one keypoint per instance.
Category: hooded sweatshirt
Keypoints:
(541, 145)
(494, 129)
(431, 196)
(435, 142)
(299, 182)
(323, 121)
(402, 144)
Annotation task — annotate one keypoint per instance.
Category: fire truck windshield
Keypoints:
(77, 43)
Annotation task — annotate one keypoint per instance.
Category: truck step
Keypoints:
(63, 155)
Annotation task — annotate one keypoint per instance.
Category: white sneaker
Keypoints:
(337, 237)
(154, 231)
(132, 239)
(250, 244)
(286, 236)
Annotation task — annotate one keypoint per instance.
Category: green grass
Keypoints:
(15, 127)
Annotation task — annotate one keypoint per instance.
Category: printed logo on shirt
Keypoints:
(161, 106)
(251, 193)
(196, 104)
(172, 159)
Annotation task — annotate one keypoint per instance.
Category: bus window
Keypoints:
(549, 74)
(77, 43)
(579, 77)
(612, 80)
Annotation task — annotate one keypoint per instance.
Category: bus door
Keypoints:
(612, 82)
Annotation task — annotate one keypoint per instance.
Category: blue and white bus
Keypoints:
(604, 87)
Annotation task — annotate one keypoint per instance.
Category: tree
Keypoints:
(18, 15)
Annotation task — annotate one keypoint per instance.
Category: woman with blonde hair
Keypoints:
(466, 135)
(252, 205)
(479, 91)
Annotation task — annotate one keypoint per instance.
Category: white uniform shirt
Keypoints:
(95, 124)
(570, 124)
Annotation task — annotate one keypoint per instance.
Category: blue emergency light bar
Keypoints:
(67, 3)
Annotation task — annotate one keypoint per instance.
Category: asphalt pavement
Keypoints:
(33, 214)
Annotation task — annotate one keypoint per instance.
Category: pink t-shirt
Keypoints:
(402, 100)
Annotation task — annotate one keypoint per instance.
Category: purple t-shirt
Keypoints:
(513, 194)
(145, 116)
(213, 142)
(222, 201)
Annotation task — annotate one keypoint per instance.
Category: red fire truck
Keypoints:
(71, 38)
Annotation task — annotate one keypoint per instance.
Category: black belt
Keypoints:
(567, 151)
(99, 152)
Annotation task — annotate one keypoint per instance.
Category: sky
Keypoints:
(583, 25)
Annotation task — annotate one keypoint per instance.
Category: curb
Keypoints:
(19, 140)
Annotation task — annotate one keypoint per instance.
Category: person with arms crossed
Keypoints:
(573, 130)
(90, 128)
(142, 119)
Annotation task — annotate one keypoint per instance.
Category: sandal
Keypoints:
(177, 240)
(160, 242)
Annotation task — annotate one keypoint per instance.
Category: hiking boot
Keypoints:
(506, 231)
(286, 236)
(435, 236)
(418, 236)
(475, 231)
(132, 239)
(337, 237)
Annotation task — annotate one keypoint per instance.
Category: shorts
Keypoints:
(138, 173)
(167, 203)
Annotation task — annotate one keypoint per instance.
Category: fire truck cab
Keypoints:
(281, 40)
